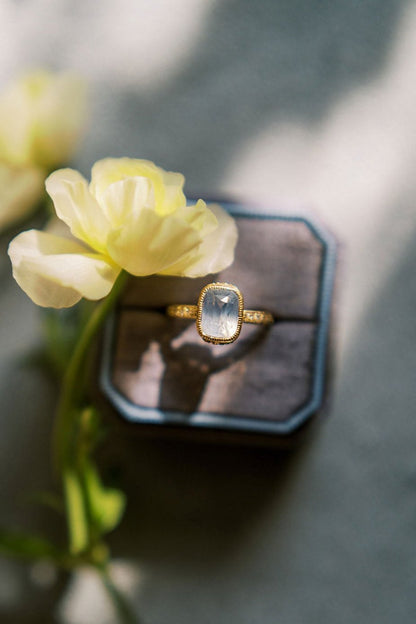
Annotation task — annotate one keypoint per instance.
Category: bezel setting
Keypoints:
(199, 318)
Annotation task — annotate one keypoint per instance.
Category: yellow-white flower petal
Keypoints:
(20, 190)
(132, 216)
(215, 251)
(77, 207)
(41, 117)
(167, 185)
(57, 272)
(143, 241)
(59, 228)
(60, 120)
(174, 196)
(122, 201)
(152, 243)
(198, 216)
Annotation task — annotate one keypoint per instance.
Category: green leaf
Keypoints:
(89, 433)
(76, 512)
(27, 546)
(106, 505)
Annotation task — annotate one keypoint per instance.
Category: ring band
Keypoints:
(220, 313)
(179, 310)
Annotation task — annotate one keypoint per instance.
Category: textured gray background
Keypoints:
(299, 103)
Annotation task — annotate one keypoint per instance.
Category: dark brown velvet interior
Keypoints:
(267, 373)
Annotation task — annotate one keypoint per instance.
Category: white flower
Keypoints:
(20, 189)
(132, 216)
(41, 118)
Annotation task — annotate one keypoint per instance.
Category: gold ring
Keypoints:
(220, 313)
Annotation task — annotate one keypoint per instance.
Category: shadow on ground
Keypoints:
(272, 61)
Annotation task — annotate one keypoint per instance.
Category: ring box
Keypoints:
(266, 386)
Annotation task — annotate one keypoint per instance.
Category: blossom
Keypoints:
(133, 216)
(20, 189)
(41, 117)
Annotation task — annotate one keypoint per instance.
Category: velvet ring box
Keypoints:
(158, 373)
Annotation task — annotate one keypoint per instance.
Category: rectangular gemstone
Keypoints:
(219, 313)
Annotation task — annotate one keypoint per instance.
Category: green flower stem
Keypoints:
(124, 611)
(73, 379)
(83, 546)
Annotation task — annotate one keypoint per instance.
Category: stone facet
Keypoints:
(219, 313)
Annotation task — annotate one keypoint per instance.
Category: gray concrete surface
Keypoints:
(303, 103)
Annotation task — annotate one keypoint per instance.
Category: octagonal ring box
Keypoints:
(264, 387)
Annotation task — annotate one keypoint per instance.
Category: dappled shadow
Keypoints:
(195, 502)
(382, 356)
(254, 64)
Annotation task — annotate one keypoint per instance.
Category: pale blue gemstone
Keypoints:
(219, 313)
